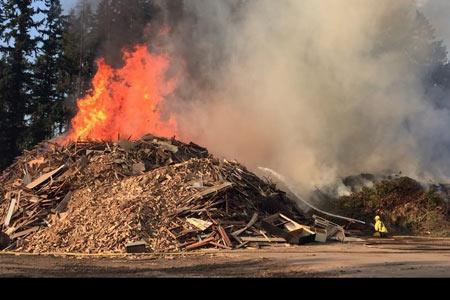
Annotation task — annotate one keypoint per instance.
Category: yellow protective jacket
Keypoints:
(379, 227)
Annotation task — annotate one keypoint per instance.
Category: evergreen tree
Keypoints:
(4, 140)
(2, 69)
(17, 47)
(408, 32)
(101, 29)
(122, 23)
(49, 90)
(80, 44)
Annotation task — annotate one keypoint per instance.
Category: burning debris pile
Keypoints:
(155, 193)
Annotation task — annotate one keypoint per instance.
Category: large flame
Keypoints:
(126, 103)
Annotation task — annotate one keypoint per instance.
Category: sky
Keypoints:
(68, 3)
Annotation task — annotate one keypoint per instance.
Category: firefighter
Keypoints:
(380, 230)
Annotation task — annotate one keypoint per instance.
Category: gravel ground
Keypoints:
(406, 259)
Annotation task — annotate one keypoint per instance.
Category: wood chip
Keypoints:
(114, 201)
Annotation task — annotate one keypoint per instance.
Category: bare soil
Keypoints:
(400, 257)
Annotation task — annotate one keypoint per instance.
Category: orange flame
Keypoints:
(126, 102)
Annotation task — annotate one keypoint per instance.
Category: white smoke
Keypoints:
(310, 89)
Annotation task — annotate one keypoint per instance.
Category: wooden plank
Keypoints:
(18, 201)
(293, 226)
(198, 223)
(262, 239)
(233, 223)
(242, 245)
(44, 178)
(137, 247)
(220, 246)
(170, 233)
(264, 235)
(12, 207)
(273, 230)
(324, 222)
(200, 244)
(209, 191)
(25, 232)
(225, 237)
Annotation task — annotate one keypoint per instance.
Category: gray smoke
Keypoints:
(313, 89)
(437, 11)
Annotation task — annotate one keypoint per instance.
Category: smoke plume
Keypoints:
(313, 89)
(316, 90)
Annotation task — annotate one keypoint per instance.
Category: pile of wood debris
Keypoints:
(153, 195)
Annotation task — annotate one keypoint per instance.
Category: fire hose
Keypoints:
(299, 197)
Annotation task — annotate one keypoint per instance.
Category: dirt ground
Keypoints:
(400, 257)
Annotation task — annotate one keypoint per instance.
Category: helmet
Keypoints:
(377, 218)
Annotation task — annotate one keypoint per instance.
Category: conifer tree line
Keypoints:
(47, 58)
(30, 85)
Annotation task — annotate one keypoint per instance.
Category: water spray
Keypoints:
(299, 197)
